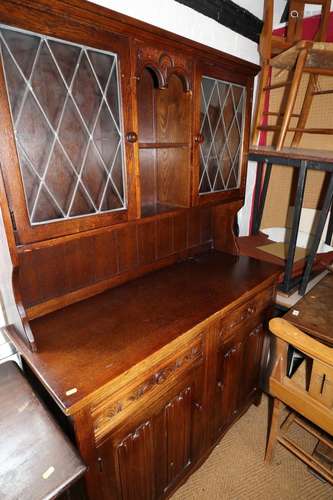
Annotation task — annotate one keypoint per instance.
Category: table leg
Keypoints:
(315, 243)
(329, 233)
(263, 195)
(257, 191)
(294, 231)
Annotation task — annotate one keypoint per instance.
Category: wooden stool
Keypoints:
(297, 56)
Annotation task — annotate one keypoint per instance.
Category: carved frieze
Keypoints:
(108, 412)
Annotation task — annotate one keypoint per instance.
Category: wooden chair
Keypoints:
(314, 401)
(297, 56)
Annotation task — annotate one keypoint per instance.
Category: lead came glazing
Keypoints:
(222, 117)
(65, 106)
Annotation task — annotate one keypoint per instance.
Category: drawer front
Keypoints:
(112, 410)
(247, 315)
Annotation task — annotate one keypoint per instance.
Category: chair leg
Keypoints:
(312, 84)
(298, 72)
(274, 430)
(261, 96)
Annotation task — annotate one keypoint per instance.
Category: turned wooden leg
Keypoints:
(274, 430)
(298, 72)
(260, 105)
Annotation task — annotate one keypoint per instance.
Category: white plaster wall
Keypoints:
(5, 276)
(178, 18)
(8, 311)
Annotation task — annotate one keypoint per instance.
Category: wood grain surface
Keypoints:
(87, 344)
(315, 311)
(37, 460)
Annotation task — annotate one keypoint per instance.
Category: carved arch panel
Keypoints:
(164, 64)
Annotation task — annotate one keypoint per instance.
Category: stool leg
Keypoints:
(260, 105)
(313, 80)
(274, 430)
(298, 72)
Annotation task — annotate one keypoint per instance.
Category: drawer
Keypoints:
(246, 315)
(110, 411)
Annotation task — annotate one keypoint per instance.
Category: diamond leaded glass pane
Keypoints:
(65, 106)
(222, 117)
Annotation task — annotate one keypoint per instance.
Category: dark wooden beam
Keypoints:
(230, 15)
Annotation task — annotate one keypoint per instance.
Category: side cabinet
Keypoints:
(240, 341)
(237, 380)
(147, 456)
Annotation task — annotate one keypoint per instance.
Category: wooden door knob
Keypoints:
(199, 139)
(131, 137)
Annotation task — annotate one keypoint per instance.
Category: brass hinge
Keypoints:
(12, 216)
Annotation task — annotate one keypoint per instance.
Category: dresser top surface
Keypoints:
(90, 343)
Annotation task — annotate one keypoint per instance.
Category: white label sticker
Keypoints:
(295, 312)
(71, 391)
(48, 472)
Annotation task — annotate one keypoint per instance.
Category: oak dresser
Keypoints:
(123, 152)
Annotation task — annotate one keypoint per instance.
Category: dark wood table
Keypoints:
(36, 459)
(314, 312)
(302, 160)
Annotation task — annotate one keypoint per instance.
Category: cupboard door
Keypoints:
(63, 111)
(147, 460)
(252, 349)
(178, 416)
(237, 377)
(135, 457)
(221, 127)
(229, 379)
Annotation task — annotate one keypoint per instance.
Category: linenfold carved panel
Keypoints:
(164, 64)
(137, 448)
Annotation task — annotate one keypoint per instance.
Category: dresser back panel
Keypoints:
(56, 268)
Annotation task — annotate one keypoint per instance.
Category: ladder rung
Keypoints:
(322, 92)
(324, 131)
(268, 128)
(271, 113)
(277, 85)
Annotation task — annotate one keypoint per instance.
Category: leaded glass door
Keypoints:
(220, 136)
(65, 108)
